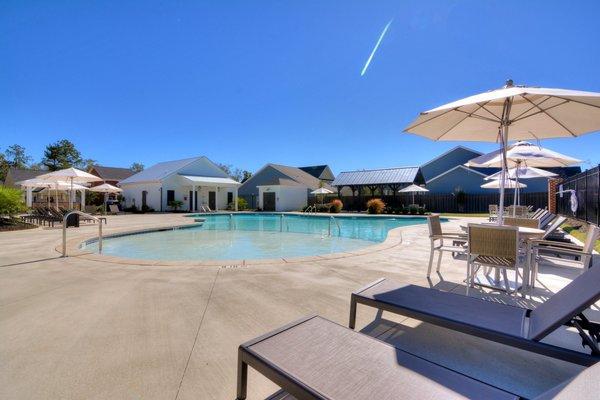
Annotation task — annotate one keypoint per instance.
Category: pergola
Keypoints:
(393, 179)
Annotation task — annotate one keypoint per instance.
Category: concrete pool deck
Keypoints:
(91, 327)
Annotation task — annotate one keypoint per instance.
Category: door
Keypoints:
(191, 201)
(269, 201)
(212, 203)
(144, 195)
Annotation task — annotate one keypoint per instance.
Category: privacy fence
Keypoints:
(586, 204)
(447, 203)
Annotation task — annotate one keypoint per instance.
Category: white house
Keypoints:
(279, 188)
(196, 182)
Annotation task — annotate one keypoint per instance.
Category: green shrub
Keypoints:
(375, 206)
(413, 209)
(336, 206)
(11, 201)
(242, 204)
(174, 204)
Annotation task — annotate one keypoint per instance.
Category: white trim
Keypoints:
(452, 169)
(450, 151)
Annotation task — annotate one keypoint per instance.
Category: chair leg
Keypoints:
(439, 261)
(352, 319)
(506, 284)
(430, 260)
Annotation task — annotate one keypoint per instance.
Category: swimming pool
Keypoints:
(255, 236)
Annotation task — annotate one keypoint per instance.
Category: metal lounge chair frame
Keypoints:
(513, 326)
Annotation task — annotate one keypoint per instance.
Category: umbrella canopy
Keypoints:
(413, 189)
(72, 175)
(321, 191)
(523, 172)
(106, 188)
(69, 174)
(63, 185)
(34, 183)
(512, 113)
(523, 153)
(508, 184)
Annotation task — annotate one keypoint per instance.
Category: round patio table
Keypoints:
(525, 233)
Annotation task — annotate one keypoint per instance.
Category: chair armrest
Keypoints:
(552, 243)
(563, 250)
(451, 236)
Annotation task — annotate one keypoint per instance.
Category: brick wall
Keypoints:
(552, 190)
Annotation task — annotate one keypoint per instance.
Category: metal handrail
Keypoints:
(338, 225)
(64, 224)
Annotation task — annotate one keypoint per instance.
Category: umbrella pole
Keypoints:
(503, 140)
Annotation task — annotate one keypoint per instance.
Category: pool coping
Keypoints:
(393, 239)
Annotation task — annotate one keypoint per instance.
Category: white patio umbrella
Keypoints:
(522, 172)
(413, 189)
(322, 192)
(105, 188)
(512, 113)
(71, 175)
(508, 184)
(523, 153)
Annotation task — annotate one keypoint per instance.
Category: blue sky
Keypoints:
(251, 82)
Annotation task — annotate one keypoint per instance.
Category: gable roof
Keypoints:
(452, 150)
(292, 176)
(455, 168)
(377, 176)
(111, 173)
(22, 174)
(162, 170)
(319, 171)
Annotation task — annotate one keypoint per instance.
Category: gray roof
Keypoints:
(111, 173)
(18, 174)
(297, 175)
(377, 176)
(319, 171)
(159, 171)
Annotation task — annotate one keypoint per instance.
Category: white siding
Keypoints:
(133, 195)
(287, 198)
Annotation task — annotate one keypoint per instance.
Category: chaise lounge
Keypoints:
(314, 358)
(513, 326)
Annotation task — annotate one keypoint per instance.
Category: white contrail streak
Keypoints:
(375, 48)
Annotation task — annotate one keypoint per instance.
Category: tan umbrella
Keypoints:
(512, 113)
(322, 192)
(508, 184)
(413, 189)
(106, 188)
(71, 175)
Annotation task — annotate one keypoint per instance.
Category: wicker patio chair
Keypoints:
(437, 236)
(493, 247)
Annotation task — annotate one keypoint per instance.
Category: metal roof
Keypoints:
(159, 171)
(377, 176)
(111, 173)
(210, 180)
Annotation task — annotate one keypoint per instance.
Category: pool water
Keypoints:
(255, 236)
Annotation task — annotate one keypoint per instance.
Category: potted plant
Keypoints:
(176, 204)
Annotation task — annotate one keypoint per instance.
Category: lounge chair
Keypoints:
(513, 326)
(114, 209)
(436, 237)
(314, 358)
(493, 212)
(522, 221)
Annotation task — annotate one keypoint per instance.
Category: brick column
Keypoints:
(552, 190)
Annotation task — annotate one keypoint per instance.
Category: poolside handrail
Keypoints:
(64, 227)
(331, 218)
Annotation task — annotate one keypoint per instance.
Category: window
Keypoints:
(170, 196)
(229, 197)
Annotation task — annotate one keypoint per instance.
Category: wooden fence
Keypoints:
(474, 203)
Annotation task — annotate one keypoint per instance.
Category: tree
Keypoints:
(225, 167)
(245, 176)
(60, 155)
(11, 201)
(87, 164)
(137, 167)
(16, 156)
(4, 166)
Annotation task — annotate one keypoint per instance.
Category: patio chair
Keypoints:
(493, 246)
(114, 209)
(538, 248)
(314, 358)
(512, 326)
(436, 238)
(539, 214)
(493, 210)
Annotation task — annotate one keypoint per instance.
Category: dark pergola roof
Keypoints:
(376, 177)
